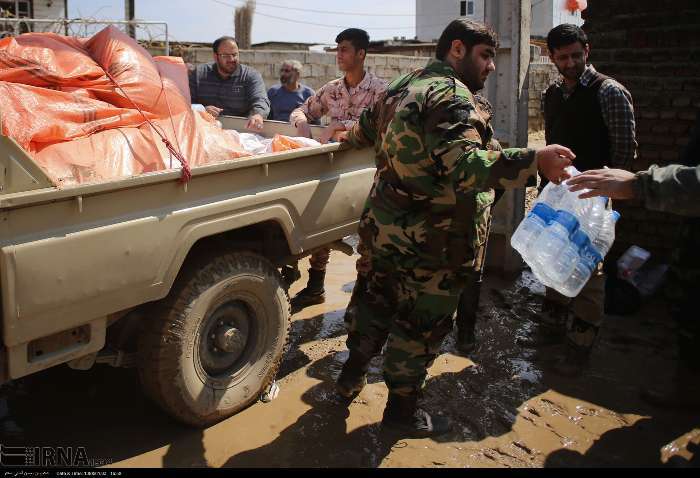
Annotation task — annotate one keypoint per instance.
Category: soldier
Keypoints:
(672, 189)
(468, 305)
(593, 115)
(424, 219)
(342, 100)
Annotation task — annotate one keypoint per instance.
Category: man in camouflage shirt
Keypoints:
(673, 189)
(342, 100)
(426, 216)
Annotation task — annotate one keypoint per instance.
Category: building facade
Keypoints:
(39, 9)
(432, 16)
(547, 14)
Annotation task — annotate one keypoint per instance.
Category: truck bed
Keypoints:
(75, 256)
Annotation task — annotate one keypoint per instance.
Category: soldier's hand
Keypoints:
(613, 183)
(553, 160)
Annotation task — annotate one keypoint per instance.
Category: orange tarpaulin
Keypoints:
(58, 102)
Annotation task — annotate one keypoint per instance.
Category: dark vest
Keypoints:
(577, 123)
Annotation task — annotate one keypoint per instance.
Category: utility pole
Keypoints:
(129, 13)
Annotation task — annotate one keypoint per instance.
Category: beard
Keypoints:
(469, 74)
(573, 73)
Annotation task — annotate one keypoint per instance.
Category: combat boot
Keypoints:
(466, 319)
(353, 376)
(551, 329)
(402, 415)
(312, 294)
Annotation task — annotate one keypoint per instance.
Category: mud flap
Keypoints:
(270, 392)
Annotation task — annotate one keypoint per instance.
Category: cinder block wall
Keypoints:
(653, 48)
(319, 68)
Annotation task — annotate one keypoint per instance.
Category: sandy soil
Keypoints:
(509, 411)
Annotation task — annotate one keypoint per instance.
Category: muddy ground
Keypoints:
(509, 410)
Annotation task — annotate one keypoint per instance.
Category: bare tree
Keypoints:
(243, 24)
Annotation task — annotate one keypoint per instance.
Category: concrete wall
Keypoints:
(319, 68)
(654, 51)
(432, 16)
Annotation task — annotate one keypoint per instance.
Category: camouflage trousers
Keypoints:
(586, 310)
(411, 312)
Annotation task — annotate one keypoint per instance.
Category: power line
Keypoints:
(363, 14)
(314, 23)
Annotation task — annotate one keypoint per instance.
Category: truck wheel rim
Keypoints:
(226, 339)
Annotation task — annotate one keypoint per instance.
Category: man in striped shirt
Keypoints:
(342, 100)
(226, 87)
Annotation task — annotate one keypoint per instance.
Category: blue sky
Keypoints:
(205, 20)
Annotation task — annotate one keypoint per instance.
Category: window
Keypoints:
(466, 8)
(7, 10)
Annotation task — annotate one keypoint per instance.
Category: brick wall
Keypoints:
(653, 48)
(541, 75)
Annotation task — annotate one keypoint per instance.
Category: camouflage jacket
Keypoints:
(426, 210)
(674, 189)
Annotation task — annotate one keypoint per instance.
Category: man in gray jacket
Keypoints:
(226, 87)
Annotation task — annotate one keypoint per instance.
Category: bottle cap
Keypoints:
(567, 220)
(543, 211)
(615, 216)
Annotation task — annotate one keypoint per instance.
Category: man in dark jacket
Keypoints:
(591, 114)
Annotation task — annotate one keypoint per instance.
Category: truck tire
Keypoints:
(217, 340)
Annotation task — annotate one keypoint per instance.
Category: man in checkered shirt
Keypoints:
(592, 114)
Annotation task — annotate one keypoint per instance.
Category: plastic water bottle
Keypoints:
(593, 214)
(553, 240)
(606, 235)
(564, 238)
(530, 229)
(563, 265)
(588, 260)
(542, 213)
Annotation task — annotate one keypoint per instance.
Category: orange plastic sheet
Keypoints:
(60, 105)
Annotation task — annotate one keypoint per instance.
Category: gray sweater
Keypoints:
(243, 94)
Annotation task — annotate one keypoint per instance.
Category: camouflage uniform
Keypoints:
(426, 218)
(470, 294)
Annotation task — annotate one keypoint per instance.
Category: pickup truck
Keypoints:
(186, 282)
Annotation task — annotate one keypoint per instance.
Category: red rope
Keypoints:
(186, 171)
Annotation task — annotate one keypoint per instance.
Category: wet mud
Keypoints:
(509, 409)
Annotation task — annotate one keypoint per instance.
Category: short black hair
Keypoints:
(564, 35)
(469, 31)
(219, 41)
(359, 38)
